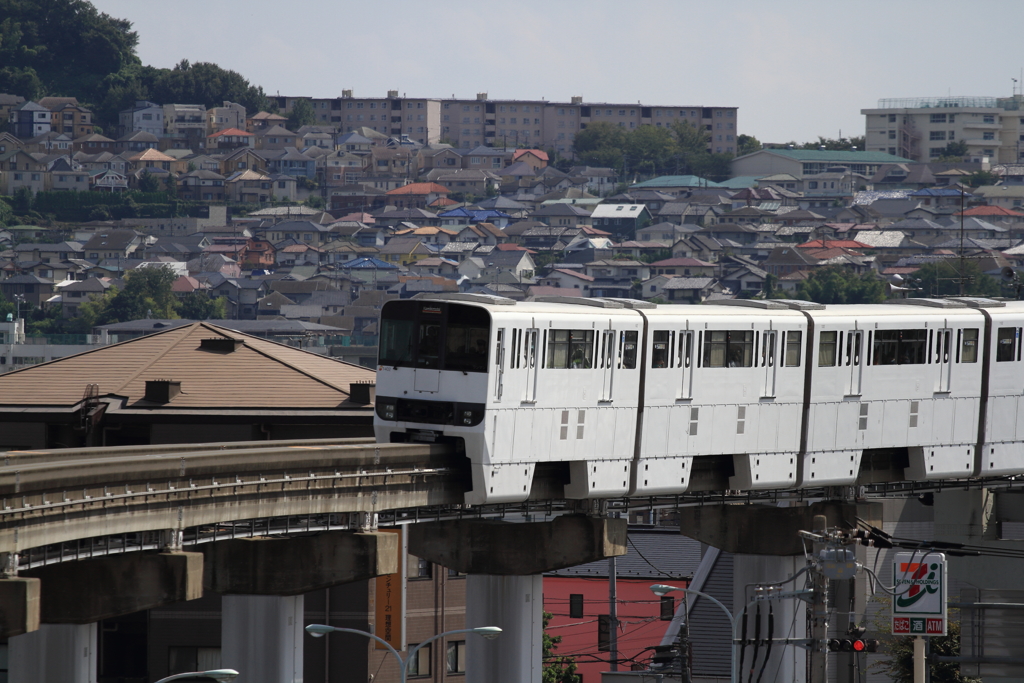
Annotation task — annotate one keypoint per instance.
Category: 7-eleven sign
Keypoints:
(919, 605)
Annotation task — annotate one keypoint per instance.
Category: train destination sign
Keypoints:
(919, 603)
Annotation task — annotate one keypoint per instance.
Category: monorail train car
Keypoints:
(639, 399)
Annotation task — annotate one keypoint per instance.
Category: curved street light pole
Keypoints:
(320, 630)
(661, 589)
(219, 675)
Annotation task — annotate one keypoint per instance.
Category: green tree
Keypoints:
(171, 186)
(148, 182)
(649, 149)
(6, 213)
(302, 114)
(61, 47)
(23, 200)
(557, 668)
(747, 144)
(600, 144)
(147, 294)
(956, 150)
(979, 178)
(836, 144)
(200, 306)
(940, 279)
(838, 285)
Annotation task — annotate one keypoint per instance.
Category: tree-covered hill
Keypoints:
(68, 48)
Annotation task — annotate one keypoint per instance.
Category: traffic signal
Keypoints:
(853, 645)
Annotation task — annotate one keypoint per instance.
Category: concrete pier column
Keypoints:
(512, 603)
(786, 662)
(262, 637)
(56, 653)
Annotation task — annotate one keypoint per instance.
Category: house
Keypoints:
(665, 233)
(248, 187)
(150, 159)
(201, 185)
(28, 120)
(68, 116)
(599, 180)
(276, 137)
(64, 177)
(108, 181)
(616, 277)
(621, 219)
(230, 115)
(136, 141)
(230, 138)
(20, 169)
(785, 260)
(305, 231)
(682, 266)
(562, 215)
(353, 142)
(27, 288)
(406, 250)
(801, 163)
(416, 195)
(93, 143)
(75, 294)
(264, 120)
(534, 158)
(290, 161)
(112, 244)
(145, 116)
(565, 278)
(691, 290)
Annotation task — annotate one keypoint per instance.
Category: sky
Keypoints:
(796, 69)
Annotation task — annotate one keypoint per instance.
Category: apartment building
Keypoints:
(920, 128)
(180, 119)
(231, 115)
(469, 123)
(145, 116)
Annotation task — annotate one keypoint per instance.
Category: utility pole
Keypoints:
(819, 613)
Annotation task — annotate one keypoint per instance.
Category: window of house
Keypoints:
(419, 661)
(989, 118)
(937, 118)
(935, 135)
(456, 657)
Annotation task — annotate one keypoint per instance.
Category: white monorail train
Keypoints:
(632, 398)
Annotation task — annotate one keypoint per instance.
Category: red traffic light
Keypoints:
(859, 645)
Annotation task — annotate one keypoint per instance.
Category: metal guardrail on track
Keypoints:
(77, 503)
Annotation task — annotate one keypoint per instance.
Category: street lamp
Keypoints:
(219, 675)
(661, 589)
(320, 630)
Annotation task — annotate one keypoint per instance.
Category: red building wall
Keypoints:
(639, 612)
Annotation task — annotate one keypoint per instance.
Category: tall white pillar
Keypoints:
(514, 604)
(262, 636)
(56, 653)
(789, 661)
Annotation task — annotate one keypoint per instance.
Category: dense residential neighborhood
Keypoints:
(305, 233)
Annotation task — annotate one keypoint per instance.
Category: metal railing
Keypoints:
(1007, 103)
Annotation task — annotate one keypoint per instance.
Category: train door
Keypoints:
(499, 363)
(943, 349)
(854, 366)
(685, 355)
(606, 362)
(768, 361)
(530, 337)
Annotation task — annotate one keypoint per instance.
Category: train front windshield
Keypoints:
(434, 336)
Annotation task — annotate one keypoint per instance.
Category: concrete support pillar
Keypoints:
(56, 653)
(19, 606)
(512, 603)
(786, 662)
(262, 637)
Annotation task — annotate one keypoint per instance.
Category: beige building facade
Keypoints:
(920, 128)
(469, 123)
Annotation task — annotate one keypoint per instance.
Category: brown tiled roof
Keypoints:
(257, 375)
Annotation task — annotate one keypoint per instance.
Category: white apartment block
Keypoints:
(468, 123)
(231, 115)
(920, 128)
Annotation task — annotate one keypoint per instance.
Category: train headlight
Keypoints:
(386, 409)
(469, 414)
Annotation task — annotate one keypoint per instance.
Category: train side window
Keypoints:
(729, 348)
(793, 340)
(671, 345)
(700, 345)
(827, 342)
(1006, 341)
(497, 347)
(870, 347)
(660, 350)
(627, 350)
(968, 346)
(768, 351)
(901, 347)
(686, 342)
(572, 349)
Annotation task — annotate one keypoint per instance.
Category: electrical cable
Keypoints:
(757, 643)
(768, 649)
